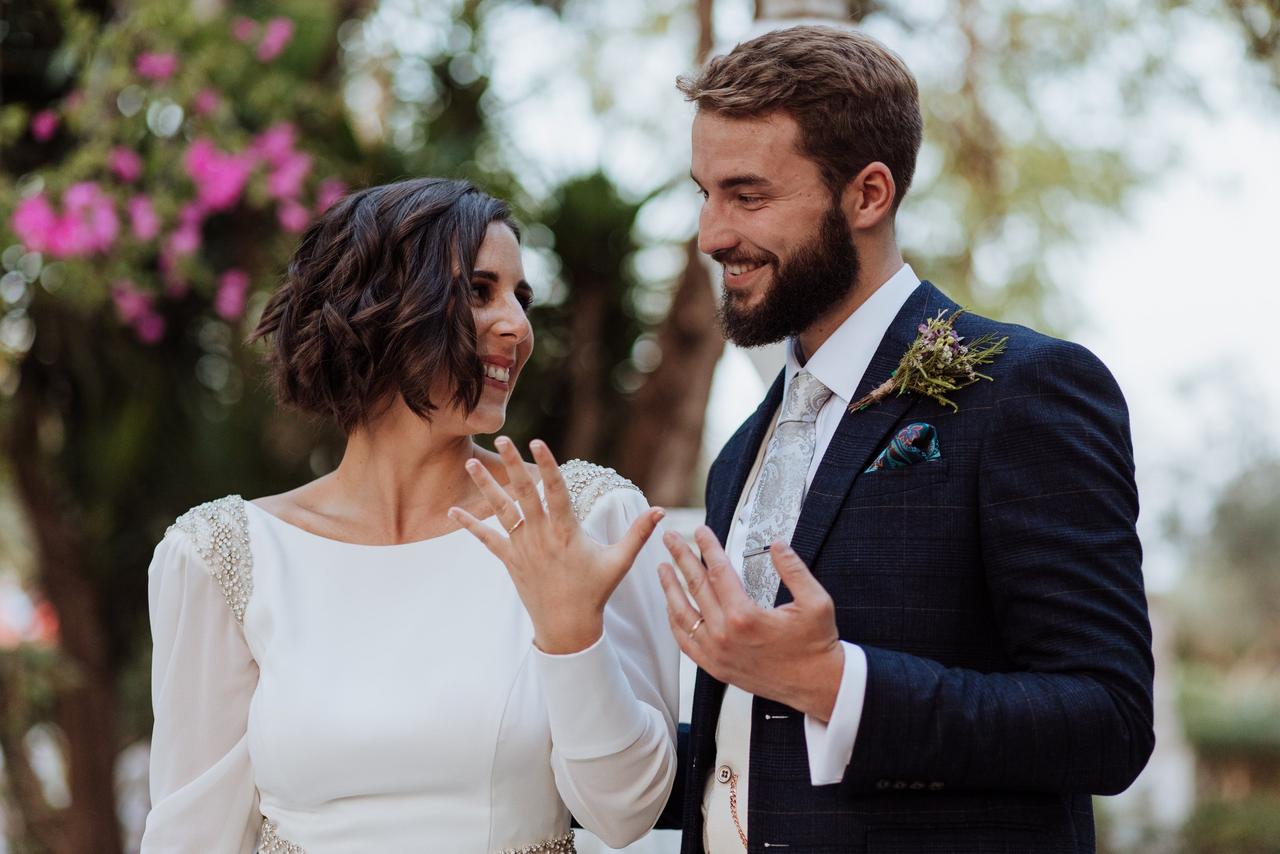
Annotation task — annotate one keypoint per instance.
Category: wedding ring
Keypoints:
(512, 529)
(696, 626)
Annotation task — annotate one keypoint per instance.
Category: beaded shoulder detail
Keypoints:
(588, 482)
(219, 530)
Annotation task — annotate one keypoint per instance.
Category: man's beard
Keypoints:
(819, 275)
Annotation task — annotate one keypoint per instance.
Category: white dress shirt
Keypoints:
(839, 364)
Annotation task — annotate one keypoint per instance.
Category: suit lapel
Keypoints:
(739, 455)
(861, 434)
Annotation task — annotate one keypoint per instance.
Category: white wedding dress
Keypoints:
(320, 696)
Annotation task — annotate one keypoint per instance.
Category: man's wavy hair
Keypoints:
(856, 102)
(377, 302)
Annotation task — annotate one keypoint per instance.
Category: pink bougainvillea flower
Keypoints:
(44, 125)
(219, 177)
(183, 240)
(275, 37)
(130, 302)
(34, 221)
(275, 143)
(233, 290)
(206, 102)
(292, 216)
(142, 218)
(329, 191)
(126, 163)
(149, 328)
(156, 66)
(244, 29)
(285, 181)
(95, 214)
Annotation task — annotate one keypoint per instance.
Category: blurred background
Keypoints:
(1105, 171)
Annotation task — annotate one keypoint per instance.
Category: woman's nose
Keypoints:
(512, 321)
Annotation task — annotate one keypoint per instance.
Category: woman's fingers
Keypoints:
(491, 539)
(626, 549)
(499, 501)
(519, 483)
(559, 503)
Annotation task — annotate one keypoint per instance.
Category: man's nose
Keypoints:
(714, 235)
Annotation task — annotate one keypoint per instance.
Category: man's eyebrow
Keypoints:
(732, 182)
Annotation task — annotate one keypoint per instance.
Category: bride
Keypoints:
(344, 667)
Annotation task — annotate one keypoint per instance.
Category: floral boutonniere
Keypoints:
(937, 362)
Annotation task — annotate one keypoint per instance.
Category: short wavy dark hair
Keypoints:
(377, 301)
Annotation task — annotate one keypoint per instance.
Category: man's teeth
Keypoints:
(502, 375)
(739, 269)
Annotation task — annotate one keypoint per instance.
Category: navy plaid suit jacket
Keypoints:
(998, 595)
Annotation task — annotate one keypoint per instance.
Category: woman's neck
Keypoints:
(397, 480)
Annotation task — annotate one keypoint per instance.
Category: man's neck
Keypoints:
(870, 279)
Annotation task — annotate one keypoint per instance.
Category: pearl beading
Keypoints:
(219, 530)
(271, 843)
(559, 845)
(587, 482)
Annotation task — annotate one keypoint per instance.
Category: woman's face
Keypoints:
(504, 338)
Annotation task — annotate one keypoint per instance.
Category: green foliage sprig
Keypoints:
(936, 363)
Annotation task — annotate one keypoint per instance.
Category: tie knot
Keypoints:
(805, 396)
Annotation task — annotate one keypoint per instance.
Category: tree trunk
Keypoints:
(86, 711)
(664, 440)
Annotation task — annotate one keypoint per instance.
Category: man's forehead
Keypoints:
(741, 150)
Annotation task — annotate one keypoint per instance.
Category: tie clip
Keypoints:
(750, 553)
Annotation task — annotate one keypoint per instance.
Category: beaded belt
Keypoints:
(559, 845)
(271, 843)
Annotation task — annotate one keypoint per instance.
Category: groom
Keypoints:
(953, 654)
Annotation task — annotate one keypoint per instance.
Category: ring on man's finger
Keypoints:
(695, 627)
(512, 529)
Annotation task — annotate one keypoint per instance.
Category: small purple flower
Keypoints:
(44, 125)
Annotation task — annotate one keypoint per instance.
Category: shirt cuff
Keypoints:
(830, 744)
(590, 705)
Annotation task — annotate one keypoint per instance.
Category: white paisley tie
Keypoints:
(781, 484)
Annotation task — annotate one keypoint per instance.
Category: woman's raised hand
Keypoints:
(563, 576)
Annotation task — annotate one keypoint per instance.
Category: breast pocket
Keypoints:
(895, 485)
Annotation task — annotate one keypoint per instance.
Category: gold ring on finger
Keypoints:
(695, 627)
(512, 529)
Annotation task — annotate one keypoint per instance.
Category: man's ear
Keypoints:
(868, 199)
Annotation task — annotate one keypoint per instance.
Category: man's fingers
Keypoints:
(519, 483)
(721, 577)
(491, 539)
(683, 616)
(695, 575)
(793, 573)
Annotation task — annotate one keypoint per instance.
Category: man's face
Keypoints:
(770, 220)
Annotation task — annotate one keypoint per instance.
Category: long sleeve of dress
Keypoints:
(203, 676)
(613, 706)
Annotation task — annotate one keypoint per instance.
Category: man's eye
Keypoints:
(751, 200)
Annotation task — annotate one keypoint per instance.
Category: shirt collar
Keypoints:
(844, 357)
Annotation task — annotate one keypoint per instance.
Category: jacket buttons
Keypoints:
(724, 773)
(882, 784)
(899, 785)
(917, 786)
(936, 786)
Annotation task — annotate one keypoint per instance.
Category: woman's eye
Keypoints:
(480, 291)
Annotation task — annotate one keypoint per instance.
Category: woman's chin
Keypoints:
(487, 419)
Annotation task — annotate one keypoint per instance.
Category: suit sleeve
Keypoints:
(1057, 508)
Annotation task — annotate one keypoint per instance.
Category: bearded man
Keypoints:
(926, 629)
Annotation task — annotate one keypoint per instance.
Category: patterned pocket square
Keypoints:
(915, 443)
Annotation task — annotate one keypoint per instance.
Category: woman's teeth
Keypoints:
(493, 372)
